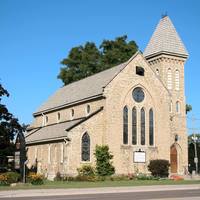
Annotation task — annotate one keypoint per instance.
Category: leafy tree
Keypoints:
(9, 127)
(86, 60)
(188, 108)
(191, 152)
(103, 161)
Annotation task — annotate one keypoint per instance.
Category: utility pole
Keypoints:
(195, 139)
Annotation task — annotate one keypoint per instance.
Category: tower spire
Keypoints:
(165, 40)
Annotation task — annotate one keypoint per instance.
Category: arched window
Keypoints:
(177, 80)
(46, 120)
(142, 126)
(134, 126)
(169, 79)
(85, 147)
(72, 113)
(171, 107)
(125, 125)
(151, 128)
(178, 107)
(88, 109)
(157, 72)
(58, 117)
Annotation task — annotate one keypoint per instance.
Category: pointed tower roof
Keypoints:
(165, 40)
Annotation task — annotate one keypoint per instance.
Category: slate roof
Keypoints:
(88, 87)
(165, 39)
(49, 132)
(55, 131)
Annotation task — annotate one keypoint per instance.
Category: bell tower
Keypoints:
(167, 55)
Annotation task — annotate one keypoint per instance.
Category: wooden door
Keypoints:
(173, 159)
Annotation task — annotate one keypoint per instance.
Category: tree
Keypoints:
(9, 127)
(103, 161)
(83, 61)
(188, 108)
(191, 153)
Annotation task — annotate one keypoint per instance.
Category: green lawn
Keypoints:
(65, 184)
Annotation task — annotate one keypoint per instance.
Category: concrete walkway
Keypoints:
(105, 190)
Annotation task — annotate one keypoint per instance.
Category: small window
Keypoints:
(72, 113)
(140, 71)
(46, 120)
(58, 117)
(157, 72)
(178, 107)
(85, 147)
(88, 109)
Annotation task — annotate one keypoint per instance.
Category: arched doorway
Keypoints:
(173, 159)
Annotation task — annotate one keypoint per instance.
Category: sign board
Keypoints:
(139, 156)
(17, 160)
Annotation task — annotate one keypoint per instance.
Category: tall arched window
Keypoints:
(134, 126)
(178, 107)
(171, 107)
(125, 125)
(142, 126)
(169, 79)
(85, 147)
(151, 127)
(177, 80)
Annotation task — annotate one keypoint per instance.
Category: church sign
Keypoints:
(139, 157)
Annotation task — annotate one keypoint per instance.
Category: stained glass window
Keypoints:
(134, 126)
(125, 125)
(151, 127)
(142, 126)
(85, 147)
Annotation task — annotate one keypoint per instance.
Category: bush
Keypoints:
(86, 173)
(3, 179)
(9, 177)
(146, 177)
(13, 177)
(86, 170)
(159, 168)
(103, 161)
(36, 179)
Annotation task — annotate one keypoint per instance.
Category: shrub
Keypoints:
(9, 177)
(3, 179)
(159, 168)
(36, 179)
(103, 161)
(86, 170)
(86, 173)
(146, 177)
(12, 177)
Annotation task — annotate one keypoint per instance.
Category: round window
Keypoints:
(138, 94)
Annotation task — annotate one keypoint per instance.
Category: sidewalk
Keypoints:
(58, 192)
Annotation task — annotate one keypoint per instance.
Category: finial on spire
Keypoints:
(164, 15)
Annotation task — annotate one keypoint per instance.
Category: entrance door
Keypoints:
(173, 159)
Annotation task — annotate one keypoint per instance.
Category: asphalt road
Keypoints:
(161, 195)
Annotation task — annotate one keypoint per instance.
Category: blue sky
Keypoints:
(36, 35)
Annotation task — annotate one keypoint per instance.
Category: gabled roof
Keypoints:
(84, 89)
(165, 39)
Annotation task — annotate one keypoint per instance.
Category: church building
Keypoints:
(136, 108)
